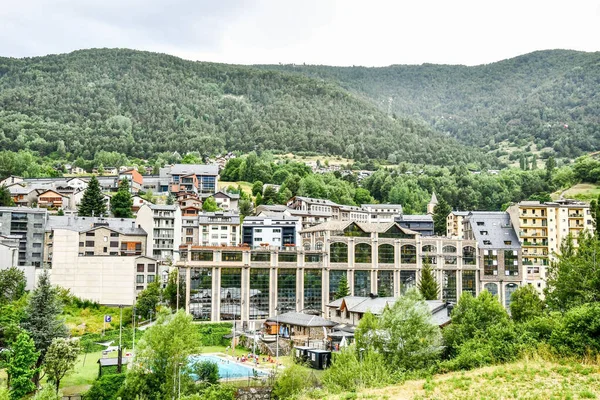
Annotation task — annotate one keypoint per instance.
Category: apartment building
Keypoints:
(247, 283)
(454, 224)
(499, 252)
(197, 178)
(135, 179)
(542, 227)
(382, 212)
(227, 201)
(163, 225)
(423, 224)
(106, 279)
(29, 225)
(279, 232)
(211, 229)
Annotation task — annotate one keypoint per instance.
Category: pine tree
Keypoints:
(5, 198)
(343, 289)
(170, 199)
(92, 202)
(121, 203)
(428, 285)
(43, 321)
(440, 215)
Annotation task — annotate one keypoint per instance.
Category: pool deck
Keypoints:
(261, 366)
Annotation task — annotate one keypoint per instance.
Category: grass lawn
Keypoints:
(246, 186)
(581, 191)
(520, 380)
(83, 375)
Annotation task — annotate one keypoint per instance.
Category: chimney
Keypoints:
(132, 224)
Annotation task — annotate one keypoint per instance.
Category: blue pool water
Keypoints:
(228, 369)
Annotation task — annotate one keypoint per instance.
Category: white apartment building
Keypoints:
(212, 229)
(163, 225)
(279, 232)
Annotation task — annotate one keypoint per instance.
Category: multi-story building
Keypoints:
(163, 225)
(211, 229)
(246, 283)
(280, 232)
(29, 225)
(227, 201)
(100, 259)
(454, 224)
(423, 224)
(9, 251)
(542, 227)
(135, 179)
(383, 212)
(97, 236)
(201, 179)
(500, 254)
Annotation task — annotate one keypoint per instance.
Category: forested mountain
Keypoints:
(140, 103)
(550, 98)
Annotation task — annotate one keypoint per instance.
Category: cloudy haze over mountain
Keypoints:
(333, 32)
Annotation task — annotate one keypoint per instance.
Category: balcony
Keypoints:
(575, 215)
(539, 244)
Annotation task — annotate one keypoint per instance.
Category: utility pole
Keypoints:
(133, 349)
(120, 352)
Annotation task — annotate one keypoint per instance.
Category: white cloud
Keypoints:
(333, 32)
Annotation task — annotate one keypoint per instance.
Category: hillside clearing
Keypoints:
(520, 380)
(581, 191)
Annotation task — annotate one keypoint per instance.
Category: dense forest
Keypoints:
(549, 98)
(140, 103)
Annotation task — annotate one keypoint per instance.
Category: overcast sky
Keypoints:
(333, 32)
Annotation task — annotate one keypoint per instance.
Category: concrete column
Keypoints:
(396, 283)
(324, 289)
(216, 294)
(245, 296)
(458, 285)
(350, 277)
(351, 252)
(299, 289)
(374, 281)
(188, 284)
(273, 292)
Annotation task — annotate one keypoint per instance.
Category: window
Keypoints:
(114, 244)
(469, 255)
(151, 278)
(139, 279)
(140, 268)
(189, 239)
(37, 225)
(114, 234)
(89, 243)
(36, 255)
(408, 254)
(487, 242)
(362, 253)
(81, 244)
(507, 242)
(312, 258)
(202, 256)
(386, 254)
(258, 239)
(235, 256)
(258, 230)
(339, 252)
(483, 233)
(260, 257)
(189, 231)
(105, 249)
(511, 263)
(37, 245)
(276, 230)
(223, 228)
(89, 253)
(480, 223)
(90, 234)
(287, 257)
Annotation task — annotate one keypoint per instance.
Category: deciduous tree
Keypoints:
(21, 367)
(60, 359)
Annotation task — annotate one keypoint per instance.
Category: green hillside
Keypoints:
(139, 103)
(550, 98)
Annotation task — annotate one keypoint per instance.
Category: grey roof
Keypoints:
(280, 217)
(112, 361)
(460, 213)
(196, 169)
(227, 194)
(124, 226)
(208, 217)
(316, 201)
(301, 319)
(496, 230)
(24, 210)
(416, 218)
(163, 207)
(378, 227)
(376, 305)
(272, 207)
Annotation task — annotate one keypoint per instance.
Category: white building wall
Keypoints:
(106, 280)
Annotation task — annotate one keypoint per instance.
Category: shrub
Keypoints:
(212, 334)
(292, 381)
(578, 333)
(525, 304)
(106, 387)
(48, 392)
(206, 371)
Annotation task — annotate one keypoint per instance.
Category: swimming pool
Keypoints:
(229, 369)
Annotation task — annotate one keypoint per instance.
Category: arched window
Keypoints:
(362, 253)
(508, 291)
(408, 254)
(469, 255)
(448, 249)
(429, 248)
(306, 245)
(319, 246)
(339, 252)
(492, 288)
(386, 254)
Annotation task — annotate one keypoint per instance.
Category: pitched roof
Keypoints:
(434, 199)
(135, 176)
(301, 319)
(197, 169)
(124, 226)
(379, 227)
(493, 230)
